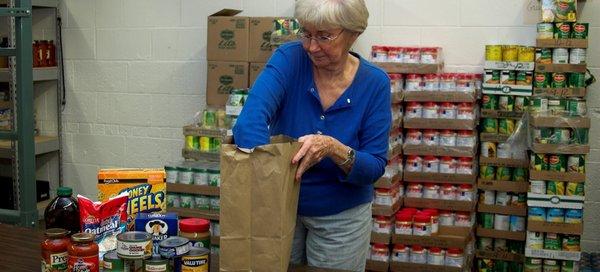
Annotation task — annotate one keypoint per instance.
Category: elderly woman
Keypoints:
(338, 105)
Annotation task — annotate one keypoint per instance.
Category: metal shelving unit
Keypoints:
(20, 144)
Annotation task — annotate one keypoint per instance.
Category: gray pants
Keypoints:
(339, 241)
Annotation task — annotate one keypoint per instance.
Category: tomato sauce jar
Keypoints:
(83, 253)
(54, 250)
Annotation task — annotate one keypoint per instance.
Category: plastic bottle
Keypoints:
(63, 211)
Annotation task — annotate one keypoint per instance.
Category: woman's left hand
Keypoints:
(314, 149)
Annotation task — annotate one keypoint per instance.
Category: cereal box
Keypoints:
(146, 189)
(161, 226)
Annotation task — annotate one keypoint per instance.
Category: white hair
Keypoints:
(350, 15)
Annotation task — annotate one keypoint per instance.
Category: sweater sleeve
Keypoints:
(371, 155)
(264, 100)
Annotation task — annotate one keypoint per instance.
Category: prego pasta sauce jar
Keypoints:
(54, 250)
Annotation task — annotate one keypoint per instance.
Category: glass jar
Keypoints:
(400, 253)
(418, 254)
(430, 190)
(447, 166)
(382, 224)
(380, 253)
(414, 110)
(455, 257)
(83, 253)
(435, 256)
(55, 250)
(465, 192)
(422, 225)
(431, 137)
(447, 82)
(403, 224)
(446, 218)
(429, 55)
(448, 138)
(465, 166)
(413, 83)
(435, 220)
(465, 138)
(412, 55)
(431, 82)
(463, 219)
(414, 164)
(197, 230)
(448, 192)
(414, 190)
(383, 197)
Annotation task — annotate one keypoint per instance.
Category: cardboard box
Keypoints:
(500, 255)
(260, 39)
(563, 228)
(555, 201)
(560, 149)
(411, 267)
(561, 92)
(377, 266)
(255, 69)
(441, 177)
(509, 209)
(381, 238)
(560, 122)
(387, 210)
(562, 43)
(486, 113)
(435, 96)
(222, 78)
(146, 188)
(161, 226)
(502, 234)
(440, 151)
(453, 205)
(493, 137)
(446, 237)
(503, 186)
(388, 183)
(551, 175)
(560, 68)
(428, 123)
(503, 162)
(553, 254)
(227, 36)
(410, 68)
(193, 189)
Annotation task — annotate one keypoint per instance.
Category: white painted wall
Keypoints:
(136, 70)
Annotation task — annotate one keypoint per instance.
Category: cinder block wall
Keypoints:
(136, 70)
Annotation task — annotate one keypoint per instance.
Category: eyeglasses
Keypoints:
(320, 39)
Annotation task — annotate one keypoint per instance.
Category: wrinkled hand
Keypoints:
(314, 149)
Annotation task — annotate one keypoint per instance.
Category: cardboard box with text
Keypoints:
(227, 36)
(223, 77)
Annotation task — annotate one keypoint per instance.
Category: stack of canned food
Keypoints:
(558, 163)
(448, 138)
(565, 136)
(558, 80)
(502, 222)
(539, 265)
(510, 53)
(462, 192)
(197, 173)
(553, 241)
(214, 119)
(445, 165)
(203, 143)
(236, 100)
(560, 55)
(503, 126)
(447, 82)
(555, 215)
(504, 102)
(508, 77)
(558, 106)
(417, 254)
(190, 201)
(425, 55)
(445, 110)
(558, 188)
(489, 265)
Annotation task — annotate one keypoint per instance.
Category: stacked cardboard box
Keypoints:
(237, 49)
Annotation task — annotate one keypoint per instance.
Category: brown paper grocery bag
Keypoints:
(259, 201)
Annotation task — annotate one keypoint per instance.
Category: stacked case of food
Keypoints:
(435, 229)
(558, 133)
(388, 189)
(503, 161)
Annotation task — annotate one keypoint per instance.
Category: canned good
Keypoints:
(488, 197)
(577, 107)
(430, 110)
(215, 144)
(493, 52)
(414, 164)
(112, 262)
(557, 163)
(488, 149)
(552, 241)
(156, 264)
(580, 136)
(204, 144)
(562, 30)
(487, 220)
(506, 126)
(539, 162)
(500, 245)
(431, 137)
(506, 103)
(542, 135)
(539, 104)
(526, 53)
(448, 165)
(448, 111)
(196, 260)
(533, 265)
(134, 245)
(560, 136)
(465, 111)
(543, 55)
(517, 223)
(173, 200)
(545, 31)
(487, 172)
(414, 110)
(490, 125)
(508, 77)
(503, 173)
(520, 104)
(489, 102)
(519, 174)
(186, 200)
(524, 78)
(509, 53)
(465, 138)
(502, 198)
(577, 55)
(448, 138)
(535, 240)
(202, 202)
(414, 137)
(559, 80)
(580, 30)
(577, 80)
(209, 118)
(431, 164)
(575, 189)
(174, 247)
(541, 80)
(551, 265)
(573, 216)
(555, 215)
(537, 186)
(555, 188)
(569, 266)
(571, 243)
(491, 76)
(484, 243)
(576, 164)
(560, 56)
